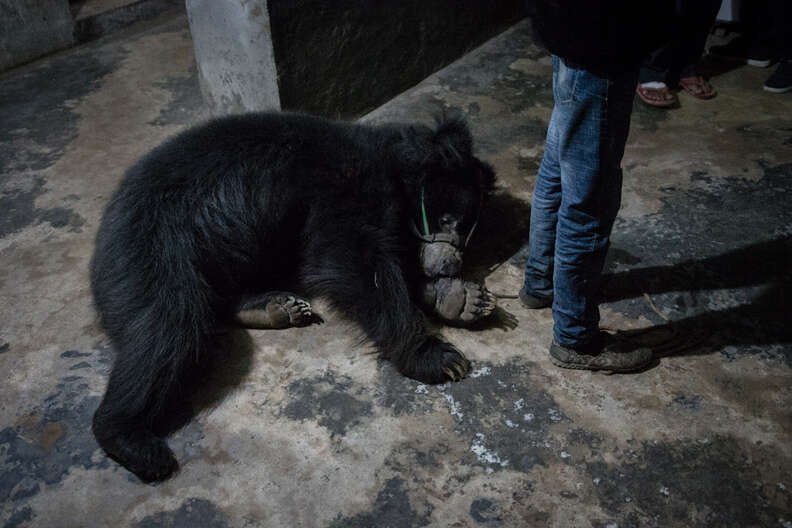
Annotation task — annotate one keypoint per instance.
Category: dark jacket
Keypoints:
(604, 35)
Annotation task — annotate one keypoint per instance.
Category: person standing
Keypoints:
(674, 64)
(766, 37)
(597, 48)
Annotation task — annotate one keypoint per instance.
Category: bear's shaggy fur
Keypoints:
(220, 223)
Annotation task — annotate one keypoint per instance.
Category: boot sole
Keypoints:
(609, 370)
(785, 89)
(758, 63)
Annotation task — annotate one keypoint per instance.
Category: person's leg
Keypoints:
(656, 65)
(652, 84)
(649, 74)
(538, 287)
(592, 133)
(753, 46)
(695, 21)
(781, 14)
(576, 198)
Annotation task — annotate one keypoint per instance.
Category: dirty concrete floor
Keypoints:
(302, 428)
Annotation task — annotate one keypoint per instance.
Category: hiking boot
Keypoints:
(744, 50)
(532, 302)
(781, 80)
(611, 353)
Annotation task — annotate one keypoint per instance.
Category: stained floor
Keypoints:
(302, 428)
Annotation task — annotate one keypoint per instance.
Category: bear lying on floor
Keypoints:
(221, 223)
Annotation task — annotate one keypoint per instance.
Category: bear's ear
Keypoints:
(453, 140)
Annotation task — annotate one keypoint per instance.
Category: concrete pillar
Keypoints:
(233, 49)
(29, 30)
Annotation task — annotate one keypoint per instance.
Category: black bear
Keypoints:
(227, 222)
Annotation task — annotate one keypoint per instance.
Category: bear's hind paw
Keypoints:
(277, 310)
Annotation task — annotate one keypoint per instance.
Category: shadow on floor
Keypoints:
(210, 383)
(711, 67)
(502, 233)
(763, 321)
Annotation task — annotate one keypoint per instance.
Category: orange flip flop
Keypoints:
(659, 96)
(698, 87)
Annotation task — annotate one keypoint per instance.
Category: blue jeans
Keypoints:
(577, 196)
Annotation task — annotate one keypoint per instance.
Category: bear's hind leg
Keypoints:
(157, 350)
(123, 422)
(275, 310)
(140, 451)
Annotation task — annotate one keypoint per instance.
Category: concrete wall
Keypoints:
(338, 59)
(32, 28)
(114, 18)
(349, 56)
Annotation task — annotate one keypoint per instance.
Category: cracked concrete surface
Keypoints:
(303, 428)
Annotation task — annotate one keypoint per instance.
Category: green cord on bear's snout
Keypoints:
(423, 214)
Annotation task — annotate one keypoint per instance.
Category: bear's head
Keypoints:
(448, 186)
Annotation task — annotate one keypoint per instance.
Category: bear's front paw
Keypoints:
(460, 302)
(479, 302)
(437, 362)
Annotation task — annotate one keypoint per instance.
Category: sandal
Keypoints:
(655, 94)
(698, 87)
